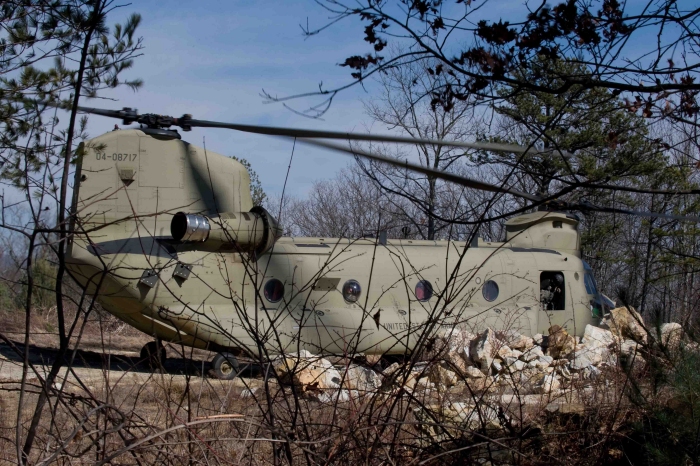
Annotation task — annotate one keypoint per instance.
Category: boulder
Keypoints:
(547, 383)
(496, 366)
(442, 377)
(474, 373)
(336, 396)
(538, 339)
(546, 360)
(455, 348)
(248, 392)
(517, 341)
(533, 353)
(362, 379)
(565, 408)
(559, 342)
(629, 348)
(580, 360)
(504, 351)
(482, 350)
(308, 371)
(441, 423)
(590, 372)
(626, 323)
(671, 335)
(599, 335)
(630, 356)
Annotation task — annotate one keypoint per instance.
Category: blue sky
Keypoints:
(212, 59)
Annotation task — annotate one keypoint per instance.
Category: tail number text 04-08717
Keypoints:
(115, 157)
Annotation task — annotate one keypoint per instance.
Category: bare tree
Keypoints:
(348, 206)
(647, 52)
(402, 107)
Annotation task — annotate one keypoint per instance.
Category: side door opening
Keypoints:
(552, 291)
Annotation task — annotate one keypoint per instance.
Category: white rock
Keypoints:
(504, 351)
(671, 335)
(580, 361)
(482, 349)
(538, 339)
(532, 354)
(627, 323)
(598, 335)
(496, 366)
(564, 371)
(456, 343)
(474, 373)
(547, 384)
(518, 341)
(311, 373)
(361, 378)
(546, 359)
(248, 392)
(441, 376)
(509, 361)
(629, 347)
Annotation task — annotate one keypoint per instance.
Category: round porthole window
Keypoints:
(351, 291)
(490, 290)
(424, 290)
(274, 290)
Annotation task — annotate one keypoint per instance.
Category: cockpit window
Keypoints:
(590, 283)
(589, 280)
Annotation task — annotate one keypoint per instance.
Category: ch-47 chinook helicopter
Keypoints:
(166, 235)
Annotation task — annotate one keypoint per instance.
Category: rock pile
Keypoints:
(489, 360)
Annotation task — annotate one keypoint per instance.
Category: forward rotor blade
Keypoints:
(613, 210)
(447, 176)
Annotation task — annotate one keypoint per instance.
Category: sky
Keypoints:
(213, 60)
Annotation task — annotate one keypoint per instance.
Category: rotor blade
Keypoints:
(447, 176)
(613, 210)
(129, 116)
(320, 134)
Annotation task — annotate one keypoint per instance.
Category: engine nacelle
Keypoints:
(546, 230)
(255, 231)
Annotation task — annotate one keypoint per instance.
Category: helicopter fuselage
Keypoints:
(323, 295)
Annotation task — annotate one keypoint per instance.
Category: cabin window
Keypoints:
(274, 290)
(352, 291)
(557, 224)
(552, 291)
(490, 290)
(424, 290)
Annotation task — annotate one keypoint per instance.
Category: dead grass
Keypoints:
(136, 417)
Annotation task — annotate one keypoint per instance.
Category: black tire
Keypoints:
(224, 366)
(153, 355)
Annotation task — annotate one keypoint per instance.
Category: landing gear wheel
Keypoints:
(153, 355)
(224, 366)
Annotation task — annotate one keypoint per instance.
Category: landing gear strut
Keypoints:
(153, 354)
(224, 366)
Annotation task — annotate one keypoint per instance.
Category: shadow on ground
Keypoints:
(174, 364)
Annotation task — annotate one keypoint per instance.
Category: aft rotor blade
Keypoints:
(593, 208)
(320, 134)
(447, 176)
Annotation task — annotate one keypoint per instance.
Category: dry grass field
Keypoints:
(107, 408)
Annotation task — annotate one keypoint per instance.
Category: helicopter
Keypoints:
(166, 236)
